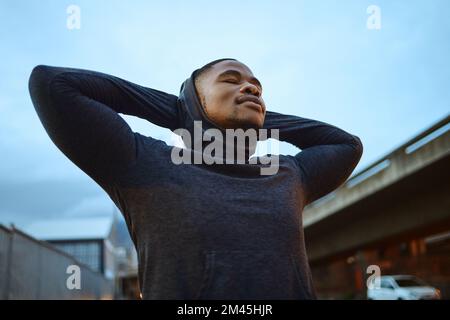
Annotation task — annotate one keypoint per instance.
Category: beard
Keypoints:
(242, 123)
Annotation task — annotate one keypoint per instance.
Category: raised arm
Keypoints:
(79, 110)
(328, 156)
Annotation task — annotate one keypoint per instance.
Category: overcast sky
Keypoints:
(315, 59)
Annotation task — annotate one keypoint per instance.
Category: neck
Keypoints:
(217, 146)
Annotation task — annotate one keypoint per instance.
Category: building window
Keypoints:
(88, 253)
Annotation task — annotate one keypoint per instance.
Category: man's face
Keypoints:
(226, 92)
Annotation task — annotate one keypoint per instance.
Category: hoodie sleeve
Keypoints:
(79, 111)
(329, 154)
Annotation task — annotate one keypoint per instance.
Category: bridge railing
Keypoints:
(428, 146)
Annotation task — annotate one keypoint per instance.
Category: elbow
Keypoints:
(39, 83)
(38, 74)
(39, 78)
(357, 147)
(42, 75)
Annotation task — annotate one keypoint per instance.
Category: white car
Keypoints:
(402, 287)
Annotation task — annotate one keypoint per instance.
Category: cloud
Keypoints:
(92, 206)
(36, 200)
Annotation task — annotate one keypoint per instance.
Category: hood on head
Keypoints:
(191, 109)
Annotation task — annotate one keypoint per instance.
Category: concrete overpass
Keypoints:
(401, 196)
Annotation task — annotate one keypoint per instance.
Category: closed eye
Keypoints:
(237, 75)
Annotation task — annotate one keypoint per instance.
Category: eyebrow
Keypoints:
(231, 72)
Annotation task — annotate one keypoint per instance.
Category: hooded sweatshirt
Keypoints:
(201, 231)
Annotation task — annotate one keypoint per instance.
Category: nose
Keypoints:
(250, 88)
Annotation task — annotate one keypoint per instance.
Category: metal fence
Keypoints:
(32, 269)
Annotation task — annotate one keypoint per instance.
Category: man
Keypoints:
(202, 231)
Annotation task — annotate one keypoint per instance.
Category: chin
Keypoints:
(250, 124)
(246, 121)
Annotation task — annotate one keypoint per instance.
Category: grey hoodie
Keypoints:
(217, 231)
